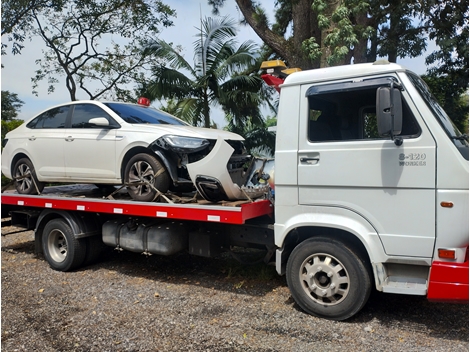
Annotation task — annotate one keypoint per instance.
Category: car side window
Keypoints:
(82, 113)
(53, 118)
(350, 115)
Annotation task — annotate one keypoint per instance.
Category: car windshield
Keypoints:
(145, 115)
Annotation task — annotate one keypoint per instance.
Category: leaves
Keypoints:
(215, 78)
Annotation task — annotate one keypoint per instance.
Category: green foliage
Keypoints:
(317, 33)
(452, 98)
(258, 140)
(8, 126)
(11, 105)
(216, 77)
(448, 27)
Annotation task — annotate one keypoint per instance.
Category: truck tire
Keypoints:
(61, 249)
(328, 279)
(145, 168)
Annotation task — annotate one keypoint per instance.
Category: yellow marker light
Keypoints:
(288, 71)
(273, 63)
(446, 253)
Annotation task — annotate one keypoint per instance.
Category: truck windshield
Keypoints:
(459, 140)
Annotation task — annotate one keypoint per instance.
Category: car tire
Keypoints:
(26, 181)
(328, 279)
(145, 168)
(62, 250)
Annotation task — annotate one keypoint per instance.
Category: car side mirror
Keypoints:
(99, 121)
(389, 111)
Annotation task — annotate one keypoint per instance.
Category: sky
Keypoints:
(18, 69)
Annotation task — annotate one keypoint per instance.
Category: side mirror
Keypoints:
(389, 111)
(99, 121)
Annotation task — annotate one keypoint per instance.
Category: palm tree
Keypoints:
(215, 78)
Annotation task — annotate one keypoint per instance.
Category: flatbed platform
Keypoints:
(88, 198)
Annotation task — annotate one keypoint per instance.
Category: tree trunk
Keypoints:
(304, 27)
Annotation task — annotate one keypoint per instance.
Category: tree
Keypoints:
(454, 100)
(448, 27)
(330, 32)
(11, 105)
(258, 140)
(214, 78)
(73, 31)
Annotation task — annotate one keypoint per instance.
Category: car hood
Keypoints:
(185, 131)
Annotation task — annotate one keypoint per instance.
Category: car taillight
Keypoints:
(4, 143)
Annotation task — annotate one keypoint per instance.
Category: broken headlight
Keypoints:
(183, 144)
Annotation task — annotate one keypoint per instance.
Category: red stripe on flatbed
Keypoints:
(195, 212)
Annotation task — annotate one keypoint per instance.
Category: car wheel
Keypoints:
(328, 279)
(61, 249)
(26, 181)
(145, 171)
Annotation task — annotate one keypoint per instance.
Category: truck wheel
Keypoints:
(25, 177)
(327, 279)
(62, 250)
(145, 168)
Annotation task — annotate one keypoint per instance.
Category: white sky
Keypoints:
(18, 70)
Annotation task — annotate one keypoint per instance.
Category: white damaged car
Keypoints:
(110, 143)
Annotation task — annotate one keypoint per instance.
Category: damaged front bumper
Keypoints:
(215, 180)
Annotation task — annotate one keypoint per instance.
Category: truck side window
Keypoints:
(350, 115)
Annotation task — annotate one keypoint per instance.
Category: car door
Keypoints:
(343, 162)
(90, 152)
(44, 143)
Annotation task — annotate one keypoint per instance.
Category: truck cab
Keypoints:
(366, 159)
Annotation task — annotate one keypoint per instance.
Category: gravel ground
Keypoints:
(128, 302)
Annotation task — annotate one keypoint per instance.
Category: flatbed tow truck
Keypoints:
(371, 190)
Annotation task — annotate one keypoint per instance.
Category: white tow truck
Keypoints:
(370, 192)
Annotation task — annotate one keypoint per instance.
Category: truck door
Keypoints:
(342, 162)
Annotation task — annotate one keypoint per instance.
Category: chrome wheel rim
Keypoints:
(142, 174)
(57, 245)
(324, 279)
(24, 178)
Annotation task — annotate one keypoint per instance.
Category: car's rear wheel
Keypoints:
(26, 181)
(148, 174)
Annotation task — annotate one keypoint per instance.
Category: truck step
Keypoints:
(405, 285)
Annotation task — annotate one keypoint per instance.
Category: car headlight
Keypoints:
(185, 144)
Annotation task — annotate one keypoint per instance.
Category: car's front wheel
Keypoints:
(26, 181)
(144, 175)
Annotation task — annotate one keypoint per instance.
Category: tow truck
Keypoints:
(370, 192)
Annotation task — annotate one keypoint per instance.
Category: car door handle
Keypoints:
(307, 160)
(32, 138)
(69, 139)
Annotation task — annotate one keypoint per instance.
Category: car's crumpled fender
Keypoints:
(215, 165)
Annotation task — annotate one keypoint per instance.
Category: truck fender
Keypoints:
(82, 224)
(347, 221)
